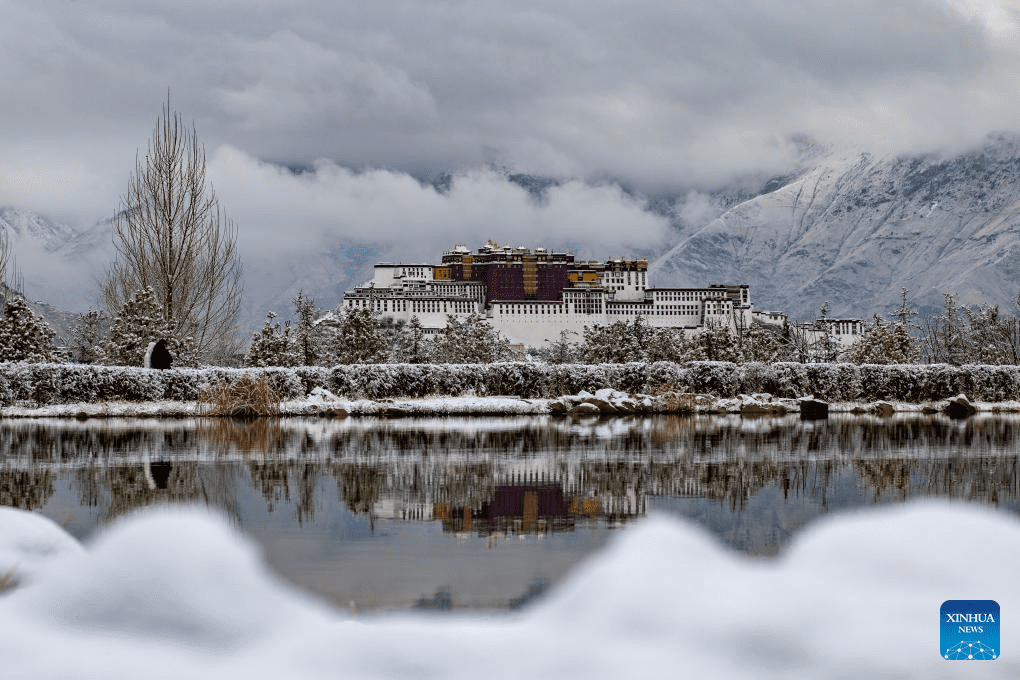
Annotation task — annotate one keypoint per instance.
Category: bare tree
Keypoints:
(172, 236)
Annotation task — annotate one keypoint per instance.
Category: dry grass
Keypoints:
(674, 400)
(245, 397)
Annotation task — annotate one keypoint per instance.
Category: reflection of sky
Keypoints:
(388, 563)
(379, 564)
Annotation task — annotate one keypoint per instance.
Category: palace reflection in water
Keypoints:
(751, 482)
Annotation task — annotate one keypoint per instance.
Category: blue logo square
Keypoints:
(969, 630)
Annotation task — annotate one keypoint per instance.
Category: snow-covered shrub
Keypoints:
(755, 377)
(181, 384)
(992, 383)
(789, 380)
(666, 375)
(518, 378)
(834, 382)
(312, 377)
(284, 381)
(629, 377)
(714, 377)
(942, 381)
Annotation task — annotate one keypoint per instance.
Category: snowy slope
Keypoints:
(852, 229)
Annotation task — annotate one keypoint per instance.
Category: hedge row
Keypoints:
(69, 383)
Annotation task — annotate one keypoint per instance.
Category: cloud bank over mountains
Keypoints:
(331, 122)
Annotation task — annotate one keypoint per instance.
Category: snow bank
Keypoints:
(28, 542)
(179, 594)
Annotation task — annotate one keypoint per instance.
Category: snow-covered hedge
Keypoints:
(70, 383)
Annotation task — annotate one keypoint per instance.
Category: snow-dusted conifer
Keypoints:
(719, 344)
(86, 338)
(359, 339)
(24, 335)
(307, 338)
(273, 346)
(883, 343)
(758, 344)
(559, 351)
(670, 344)
(616, 343)
(139, 322)
(410, 345)
(471, 340)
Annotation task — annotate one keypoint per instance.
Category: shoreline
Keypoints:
(328, 406)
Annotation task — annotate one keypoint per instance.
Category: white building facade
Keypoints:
(531, 297)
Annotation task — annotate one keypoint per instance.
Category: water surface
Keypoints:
(444, 513)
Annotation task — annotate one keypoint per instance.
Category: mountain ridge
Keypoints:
(855, 228)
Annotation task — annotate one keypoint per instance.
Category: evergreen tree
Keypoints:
(672, 344)
(307, 338)
(86, 338)
(272, 346)
(410, 345)
(359, 339)
(719, 344)
(612, 344)
(24, 335)
(559, 351)
(471, 340)
(759, 344)
(139, 322)
(884, 343)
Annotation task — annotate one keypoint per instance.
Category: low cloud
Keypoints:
(278, 209)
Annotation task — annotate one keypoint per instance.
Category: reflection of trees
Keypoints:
(272, 478)
(359, 486)
(606, 470)
(25, 489)
(129, 487)
(886, 476)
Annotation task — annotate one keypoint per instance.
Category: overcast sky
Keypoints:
(661, 95)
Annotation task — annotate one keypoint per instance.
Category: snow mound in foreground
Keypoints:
(170, 594)
(29, 542)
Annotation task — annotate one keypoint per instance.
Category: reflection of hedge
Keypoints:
(68, 383)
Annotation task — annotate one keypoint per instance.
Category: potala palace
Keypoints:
(532, 295)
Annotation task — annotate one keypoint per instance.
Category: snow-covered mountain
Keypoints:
(58, 264)
(851, 229)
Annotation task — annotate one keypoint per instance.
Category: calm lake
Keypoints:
(451, 513)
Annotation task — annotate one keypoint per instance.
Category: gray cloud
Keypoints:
(659, 95)
(276, 208)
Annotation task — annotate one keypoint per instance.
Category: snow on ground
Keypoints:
(312, 405)
(317, 404)
(28, 542)
(178, 593)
